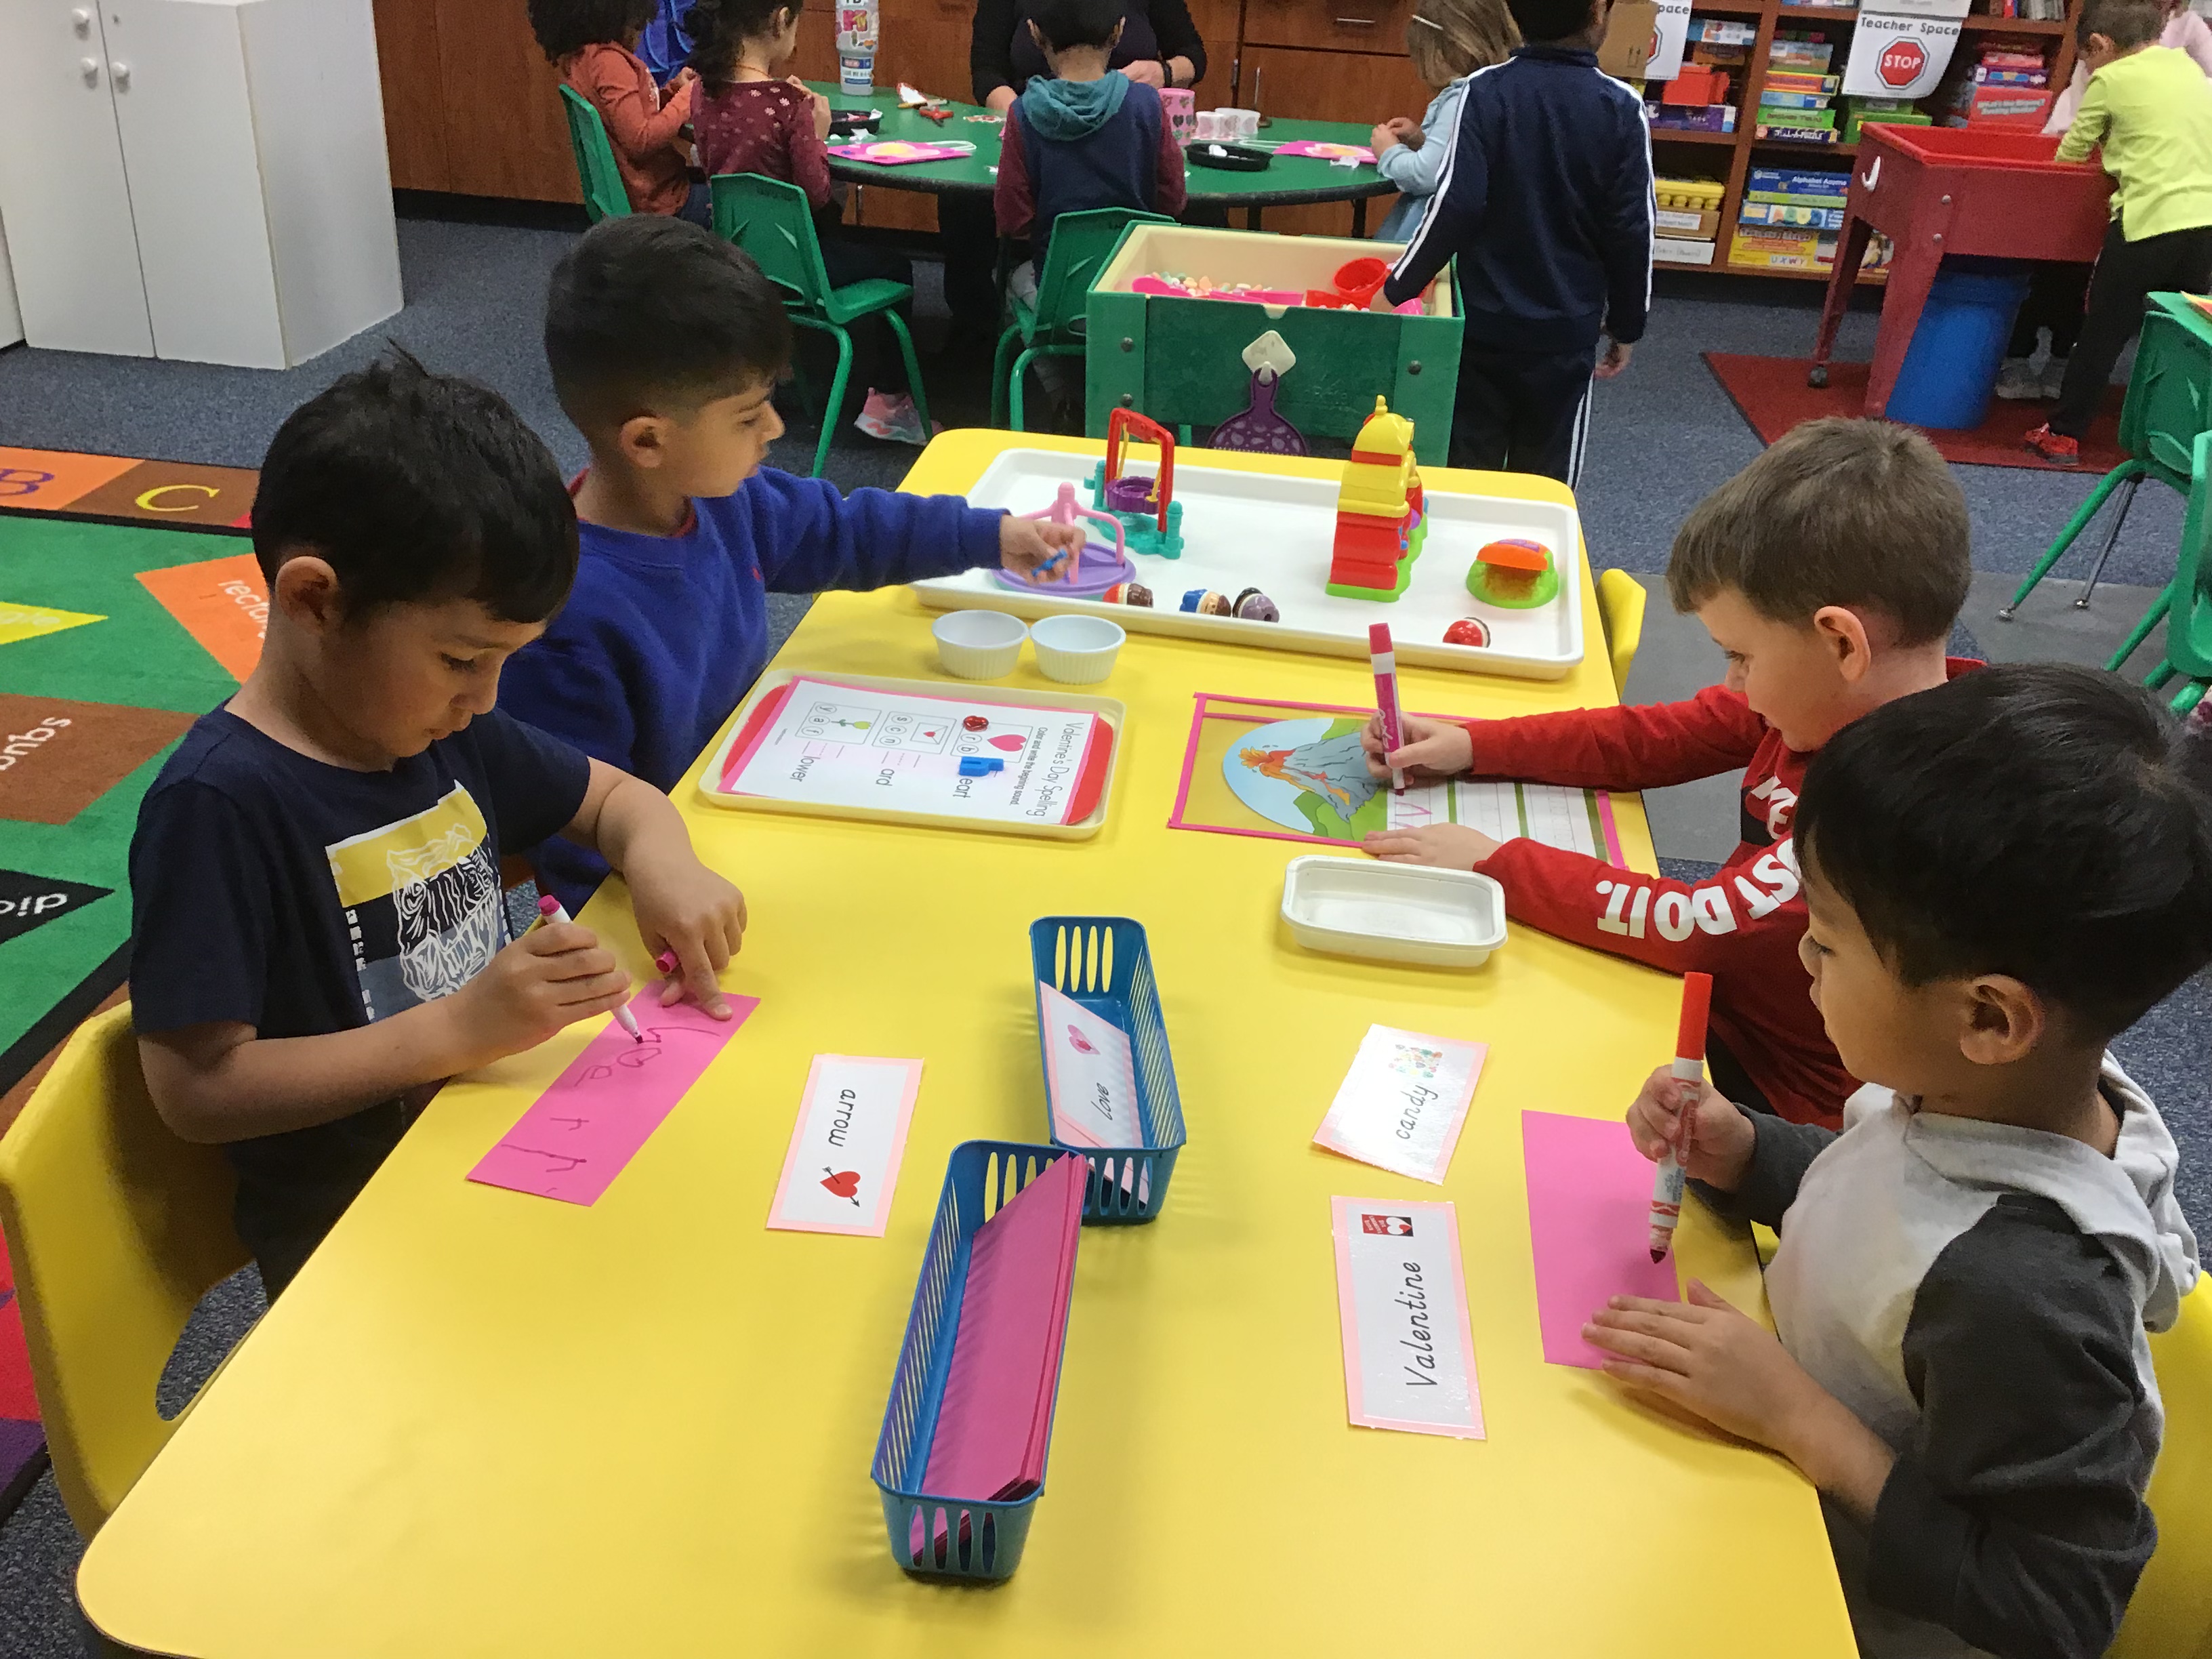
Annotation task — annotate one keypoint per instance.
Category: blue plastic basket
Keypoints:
(1104, 963)
(935, 1536)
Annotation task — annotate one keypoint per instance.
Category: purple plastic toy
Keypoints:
(1107, 565)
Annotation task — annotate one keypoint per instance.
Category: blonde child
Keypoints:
(593, 47)
(1448, 40)
(750, 117)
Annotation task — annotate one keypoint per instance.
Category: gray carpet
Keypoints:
(1662, 435)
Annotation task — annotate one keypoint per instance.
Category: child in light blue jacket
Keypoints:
(1448, 40)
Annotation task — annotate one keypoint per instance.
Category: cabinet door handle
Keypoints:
(80, 21)
(89, 67)
(120, 75)
(1355, 22)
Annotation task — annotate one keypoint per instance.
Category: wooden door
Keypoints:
(1219, 24)
(505, 133)
(414, 94)
(75, 249)
(1330, 86)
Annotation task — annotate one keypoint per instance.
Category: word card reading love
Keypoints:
(577, 1135)
(1090, 1074)
(843, 1164)
(1408, 1355)
(1402, 1104)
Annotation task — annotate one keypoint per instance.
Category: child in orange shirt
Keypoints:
(591, 45)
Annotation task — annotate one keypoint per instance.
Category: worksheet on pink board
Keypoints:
(843, 1162)
(1090, 1074)
(1402, 1300)
(1402, 1104)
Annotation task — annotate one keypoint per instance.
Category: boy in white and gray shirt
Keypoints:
(2001, 874)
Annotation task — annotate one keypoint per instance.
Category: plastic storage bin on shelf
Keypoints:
(1104, 963)
(930, 1533)
(1180, 360)
(1950, 370)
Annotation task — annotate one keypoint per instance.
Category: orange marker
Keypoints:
(1690, 1068)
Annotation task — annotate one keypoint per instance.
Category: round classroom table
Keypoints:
(1288, 182)
(487, 1423)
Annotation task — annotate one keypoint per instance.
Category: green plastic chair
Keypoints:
(1054, 326)
(2168, 406)
(771, 221)
(604, 195)
(2188, 601)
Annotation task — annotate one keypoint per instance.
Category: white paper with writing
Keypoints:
(1090, 1076)
(1548, 813)
(1401, 1297)
(843, 1164)
(1670, 38)
(1401, 1105)
(1898, 54)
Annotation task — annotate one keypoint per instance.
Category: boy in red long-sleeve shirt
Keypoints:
(1829, 572)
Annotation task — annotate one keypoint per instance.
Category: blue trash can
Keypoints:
(1950, 369)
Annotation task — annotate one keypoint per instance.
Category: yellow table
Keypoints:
(481, 1423)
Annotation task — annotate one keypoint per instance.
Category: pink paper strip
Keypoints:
(1589, 1210)
(577, 1135)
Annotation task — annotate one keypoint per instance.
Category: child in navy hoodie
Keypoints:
(1547, 203)
(1084, 137)
(665, 344)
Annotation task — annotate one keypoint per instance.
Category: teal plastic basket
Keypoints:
(932, 1535)
(1105, 965)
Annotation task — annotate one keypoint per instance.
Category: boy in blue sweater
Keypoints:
(1546, 202)
(1084, 136)
(665, 344)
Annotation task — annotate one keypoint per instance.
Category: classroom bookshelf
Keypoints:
(1730, 157)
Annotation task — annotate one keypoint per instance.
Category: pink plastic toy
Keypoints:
(1106, 568)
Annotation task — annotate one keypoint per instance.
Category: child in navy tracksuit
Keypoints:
(1084, 137)
(665, 344)
(1546, 203)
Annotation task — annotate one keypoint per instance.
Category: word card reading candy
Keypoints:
(1090, 1074)
(1408, 1355)
(1402, 1104)
(843, 1162)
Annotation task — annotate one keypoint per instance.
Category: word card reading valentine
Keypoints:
(843, 1164)
(1408, 1355)
(1090, 1075)
(1402, 1104)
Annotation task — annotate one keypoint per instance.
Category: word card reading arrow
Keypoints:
(577, 1135)
(843, 1164)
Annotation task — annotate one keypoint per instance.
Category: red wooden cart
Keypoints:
(1933, 190)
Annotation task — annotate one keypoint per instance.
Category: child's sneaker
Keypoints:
(2054, 378)
(2018, 382)
(2055, 447)
(892, 417)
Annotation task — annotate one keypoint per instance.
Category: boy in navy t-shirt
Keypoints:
(1083, 136)
(318, 931)
(664, 345)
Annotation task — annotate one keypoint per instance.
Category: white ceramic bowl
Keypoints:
(979, 645)
(1076, 650)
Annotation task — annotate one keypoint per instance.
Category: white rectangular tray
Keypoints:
(1265, 531)
(1395, 912)
(1113, 712)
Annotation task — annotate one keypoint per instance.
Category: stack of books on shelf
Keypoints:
(2008, 87)
(2039, 11)
(1893, 112)
(1789, 219)
(1689, 219)
(1722, 42)
(1696, 100)
(1794, 100)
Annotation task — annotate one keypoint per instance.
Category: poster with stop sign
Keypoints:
(1899, 55)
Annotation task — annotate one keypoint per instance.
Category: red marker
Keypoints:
(1690, 1068)
(551, 909)
(1386, 692)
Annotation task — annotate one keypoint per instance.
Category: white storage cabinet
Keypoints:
(203, 179)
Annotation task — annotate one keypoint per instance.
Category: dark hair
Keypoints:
(1550, 19)
(2035, 819)
(1065, 24)
(565, 25)
(417, 487)
(1836, 511)
(720, 29)
(2126, 23)
(648, 314)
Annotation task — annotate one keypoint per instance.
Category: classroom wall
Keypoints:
(11, 315)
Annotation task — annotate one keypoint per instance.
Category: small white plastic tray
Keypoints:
(1275, 532)
(1394, 911)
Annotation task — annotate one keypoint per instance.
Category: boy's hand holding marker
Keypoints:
(1428, 750)
(1688, 1077)
(1033, 547)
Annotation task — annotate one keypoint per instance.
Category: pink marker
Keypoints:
(1690, 1068)
(1386, 692)
(551, 909)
